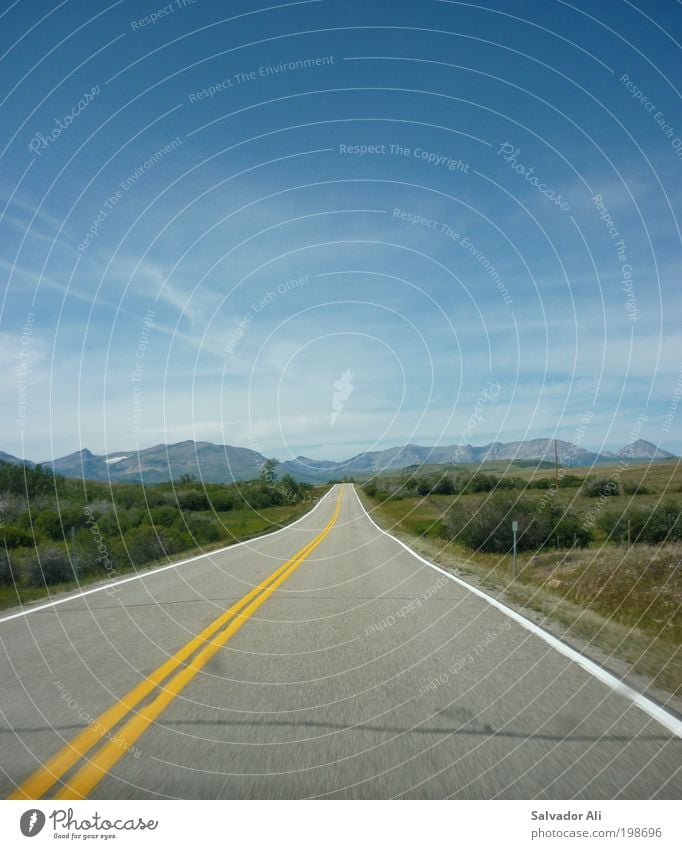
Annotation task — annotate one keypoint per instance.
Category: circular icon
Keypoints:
(32, 822)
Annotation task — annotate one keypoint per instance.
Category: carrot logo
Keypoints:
(343, 387)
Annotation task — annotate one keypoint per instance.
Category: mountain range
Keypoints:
(225, 463)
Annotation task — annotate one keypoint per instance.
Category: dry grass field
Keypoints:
(622, 601)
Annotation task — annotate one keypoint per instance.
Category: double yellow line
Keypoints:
(191, 658)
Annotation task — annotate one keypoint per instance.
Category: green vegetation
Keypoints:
(599, 556)
(57, 533)
(488, 528)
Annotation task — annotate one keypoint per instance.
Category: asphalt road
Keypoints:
(361, 672)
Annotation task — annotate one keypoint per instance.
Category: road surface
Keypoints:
(322, 661)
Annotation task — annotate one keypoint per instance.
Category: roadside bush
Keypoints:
(48, 524)
(92, 554)
(632, 488)
(163, 516)
(662, 523)
(12, 506)
(5, 568)
(479, 482)
(423, 486)
(444, 486)
(260, 495)
(143, 544)
(128, 496)
(541, 483)
(200, 528)
(57, 524)
(193, 499)
(602, 487)
(174, 540)
(117, 522)
(290, 488)
(222, 500)
(12, 537)
(509, 482)
(50, 564)
(370, 489)
(488, 528)
(152, 497)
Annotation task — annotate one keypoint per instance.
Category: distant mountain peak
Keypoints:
(642, 449)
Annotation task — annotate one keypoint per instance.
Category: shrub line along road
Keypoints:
(326, 660)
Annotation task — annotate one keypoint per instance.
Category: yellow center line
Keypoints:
(68, 756)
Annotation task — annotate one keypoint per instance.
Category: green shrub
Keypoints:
(423, 486)
(370, 488)
(632, 488)
(6, 571)
(143, 545)
(478, 482)
(259, 495)
(200, 528)
(50, 565)
(653, 525)
(290, 488)
(193, 499)
(541, 483)
(48, 524)
(444, 486)
(119, 521)
(601, 488)
(163, 516)
(222, 500)
(12, 537)
(56, 524)
(489, 526)
(29, 481)
(174, 540)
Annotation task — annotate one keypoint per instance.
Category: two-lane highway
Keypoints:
(322, 661)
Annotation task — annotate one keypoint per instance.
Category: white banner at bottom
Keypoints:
(332, 824)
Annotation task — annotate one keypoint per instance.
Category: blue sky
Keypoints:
(211, 212)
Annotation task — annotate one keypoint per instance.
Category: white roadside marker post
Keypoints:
(515, 527)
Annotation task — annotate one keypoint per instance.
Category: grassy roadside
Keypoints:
(619, 605)
(238, 526)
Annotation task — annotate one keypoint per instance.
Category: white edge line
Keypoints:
(655, 711)
(160, 569)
